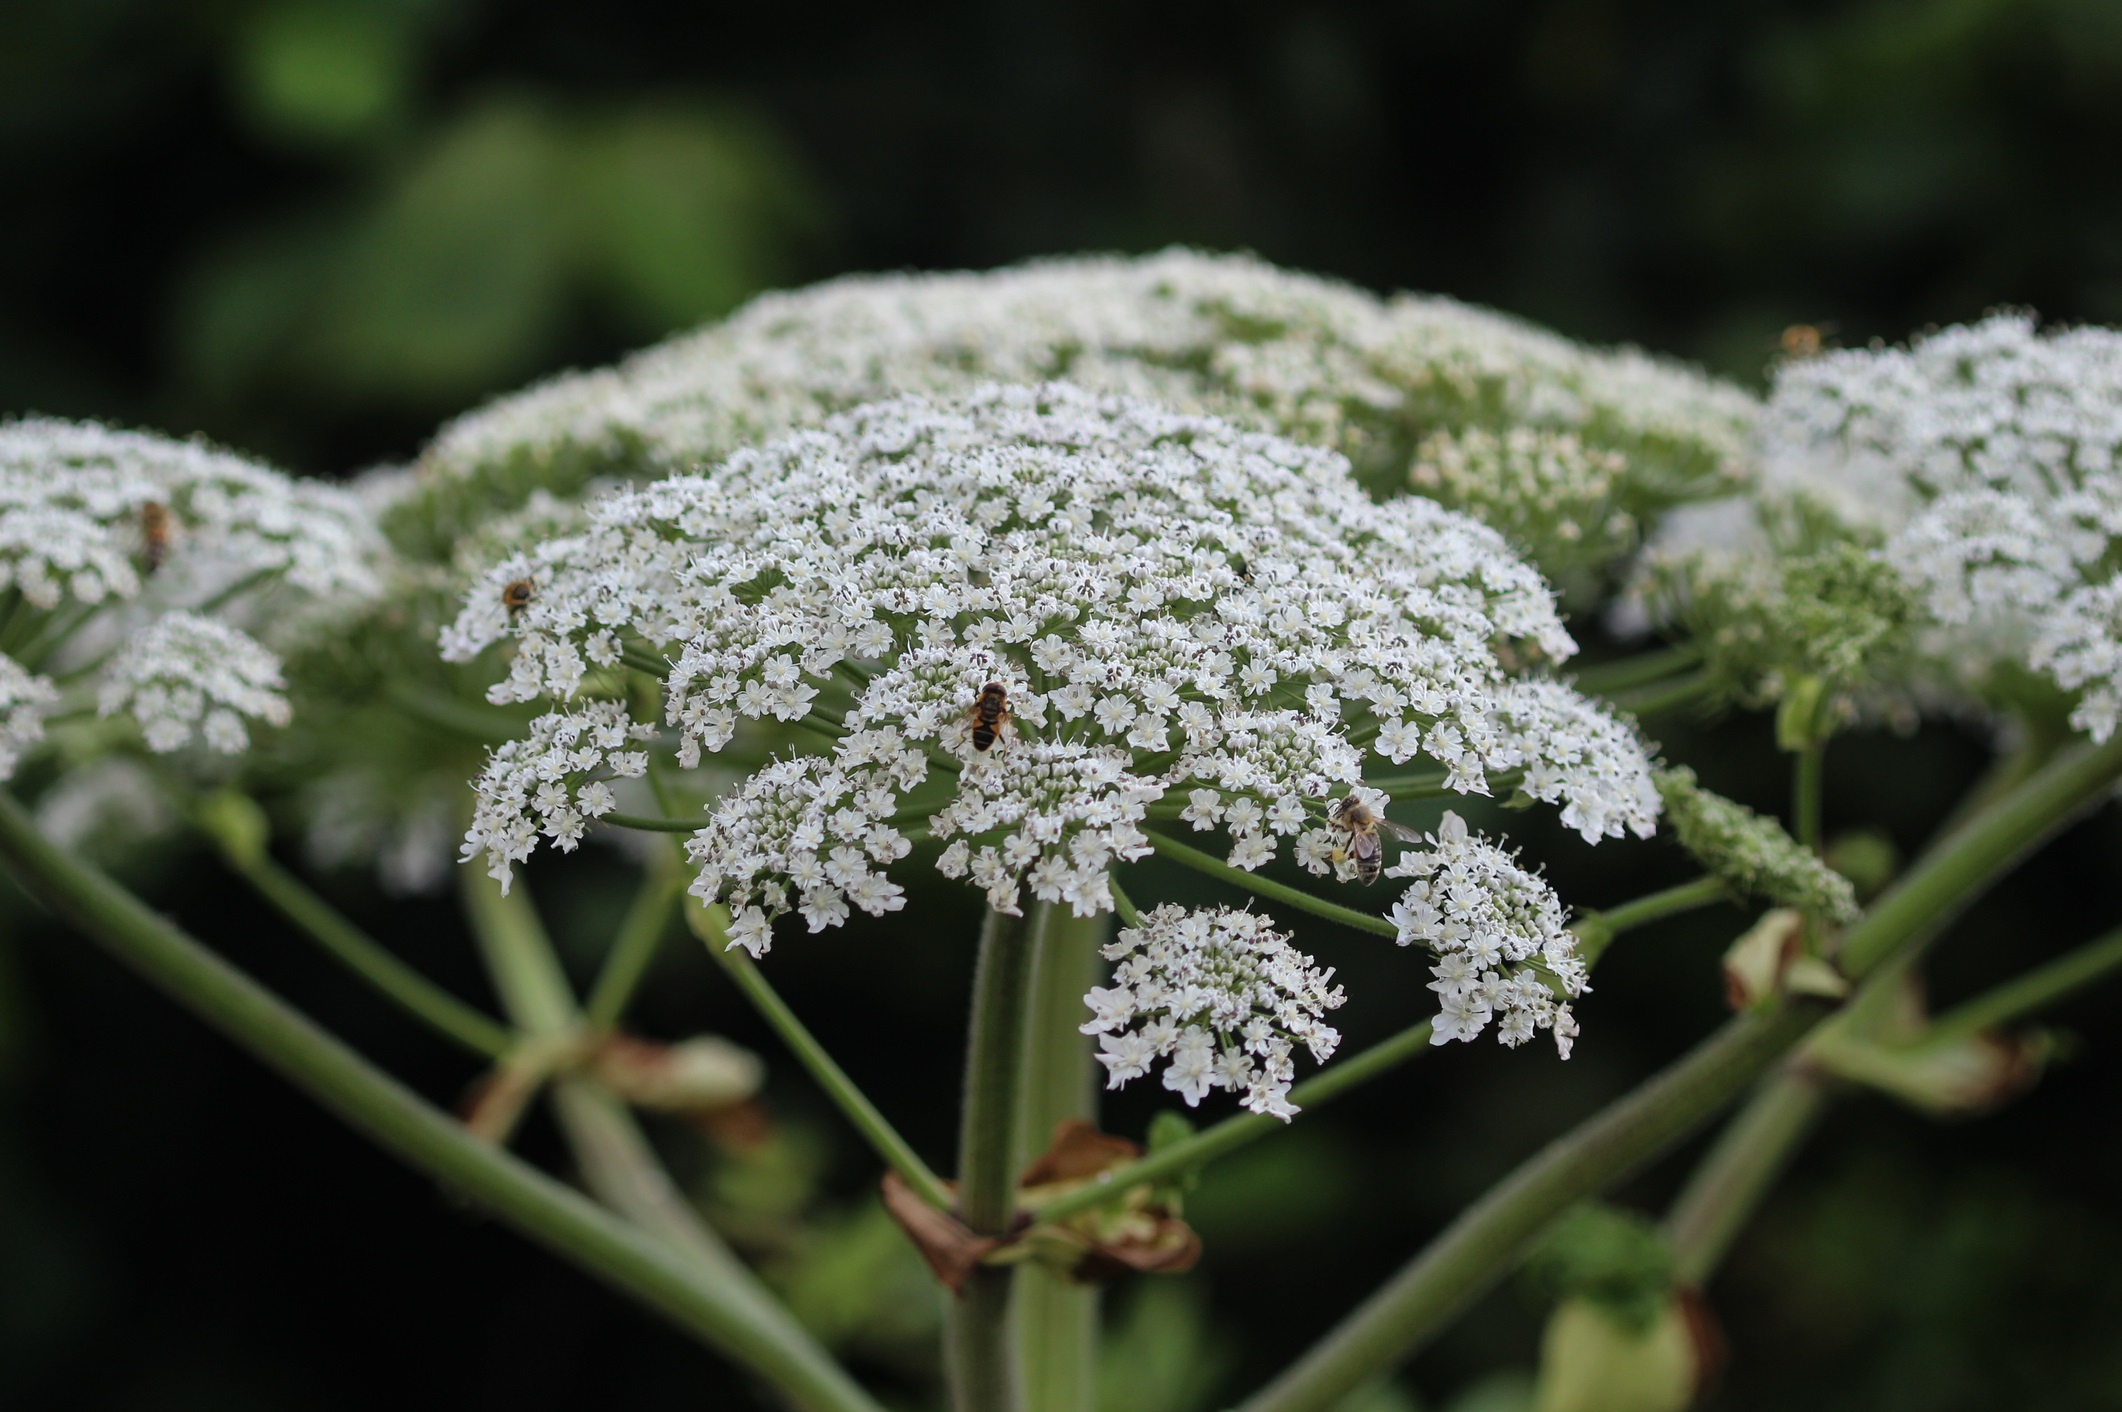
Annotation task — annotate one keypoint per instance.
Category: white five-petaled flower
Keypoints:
(1222, 997)
(1499, 937)
(1116, 569)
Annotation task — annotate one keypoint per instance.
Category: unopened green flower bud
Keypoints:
(1591, 1361)
(237, 825)
(1749, 853)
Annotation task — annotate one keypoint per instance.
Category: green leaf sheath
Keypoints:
(731, 1313)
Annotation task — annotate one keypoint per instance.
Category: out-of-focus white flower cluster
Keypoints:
(1221, 997)
(1983, 465)
(75, 518)
(1173, 609)
(1566, 501)
(1499, 936)
(131, 566)
(1232, 336)
(24, 700)
(185, 676)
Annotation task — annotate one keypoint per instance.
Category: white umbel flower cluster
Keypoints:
(1171, 608)
(25, 698)
(130, 565)
(188, 677)
(1231, 336)
(525, 790)
(88, 512)
(1985, 462)
(1221, 997)
(1499, 936)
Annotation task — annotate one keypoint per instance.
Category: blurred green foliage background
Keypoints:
(314, 228)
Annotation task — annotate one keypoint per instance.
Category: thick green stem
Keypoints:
(1273, 891)
(1057, 1318)
(358, 952)
(1964, 862)
(1491, 1236)
(1749, 1155)
(711, 925)
(979, 1346)
(729, 1311)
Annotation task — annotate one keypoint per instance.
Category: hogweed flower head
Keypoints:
(187, 677)
(1221, 997)
(1982, 466)
(1230, 336)
(1172, 609)
(141, 572)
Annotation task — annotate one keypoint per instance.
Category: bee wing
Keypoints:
(1399, 831)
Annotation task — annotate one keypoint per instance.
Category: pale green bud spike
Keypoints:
(1750, 854)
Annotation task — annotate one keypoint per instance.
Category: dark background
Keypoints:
(313, 230)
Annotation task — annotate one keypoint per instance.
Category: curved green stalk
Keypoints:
(1605, 678)
(2038, 989)
(710, 925)
(1268, 888)
(978, 1344)
(1596, 930)
(1491, 1236)
(1697, 688)
(1807, 777)
(614, 1158)
(728, 1310)
(353, 948)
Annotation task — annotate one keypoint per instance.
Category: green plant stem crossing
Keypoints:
(1490, 1237)
(729, 1311)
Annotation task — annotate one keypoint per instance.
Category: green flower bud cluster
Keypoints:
(1834, 620)
(1749, 853)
